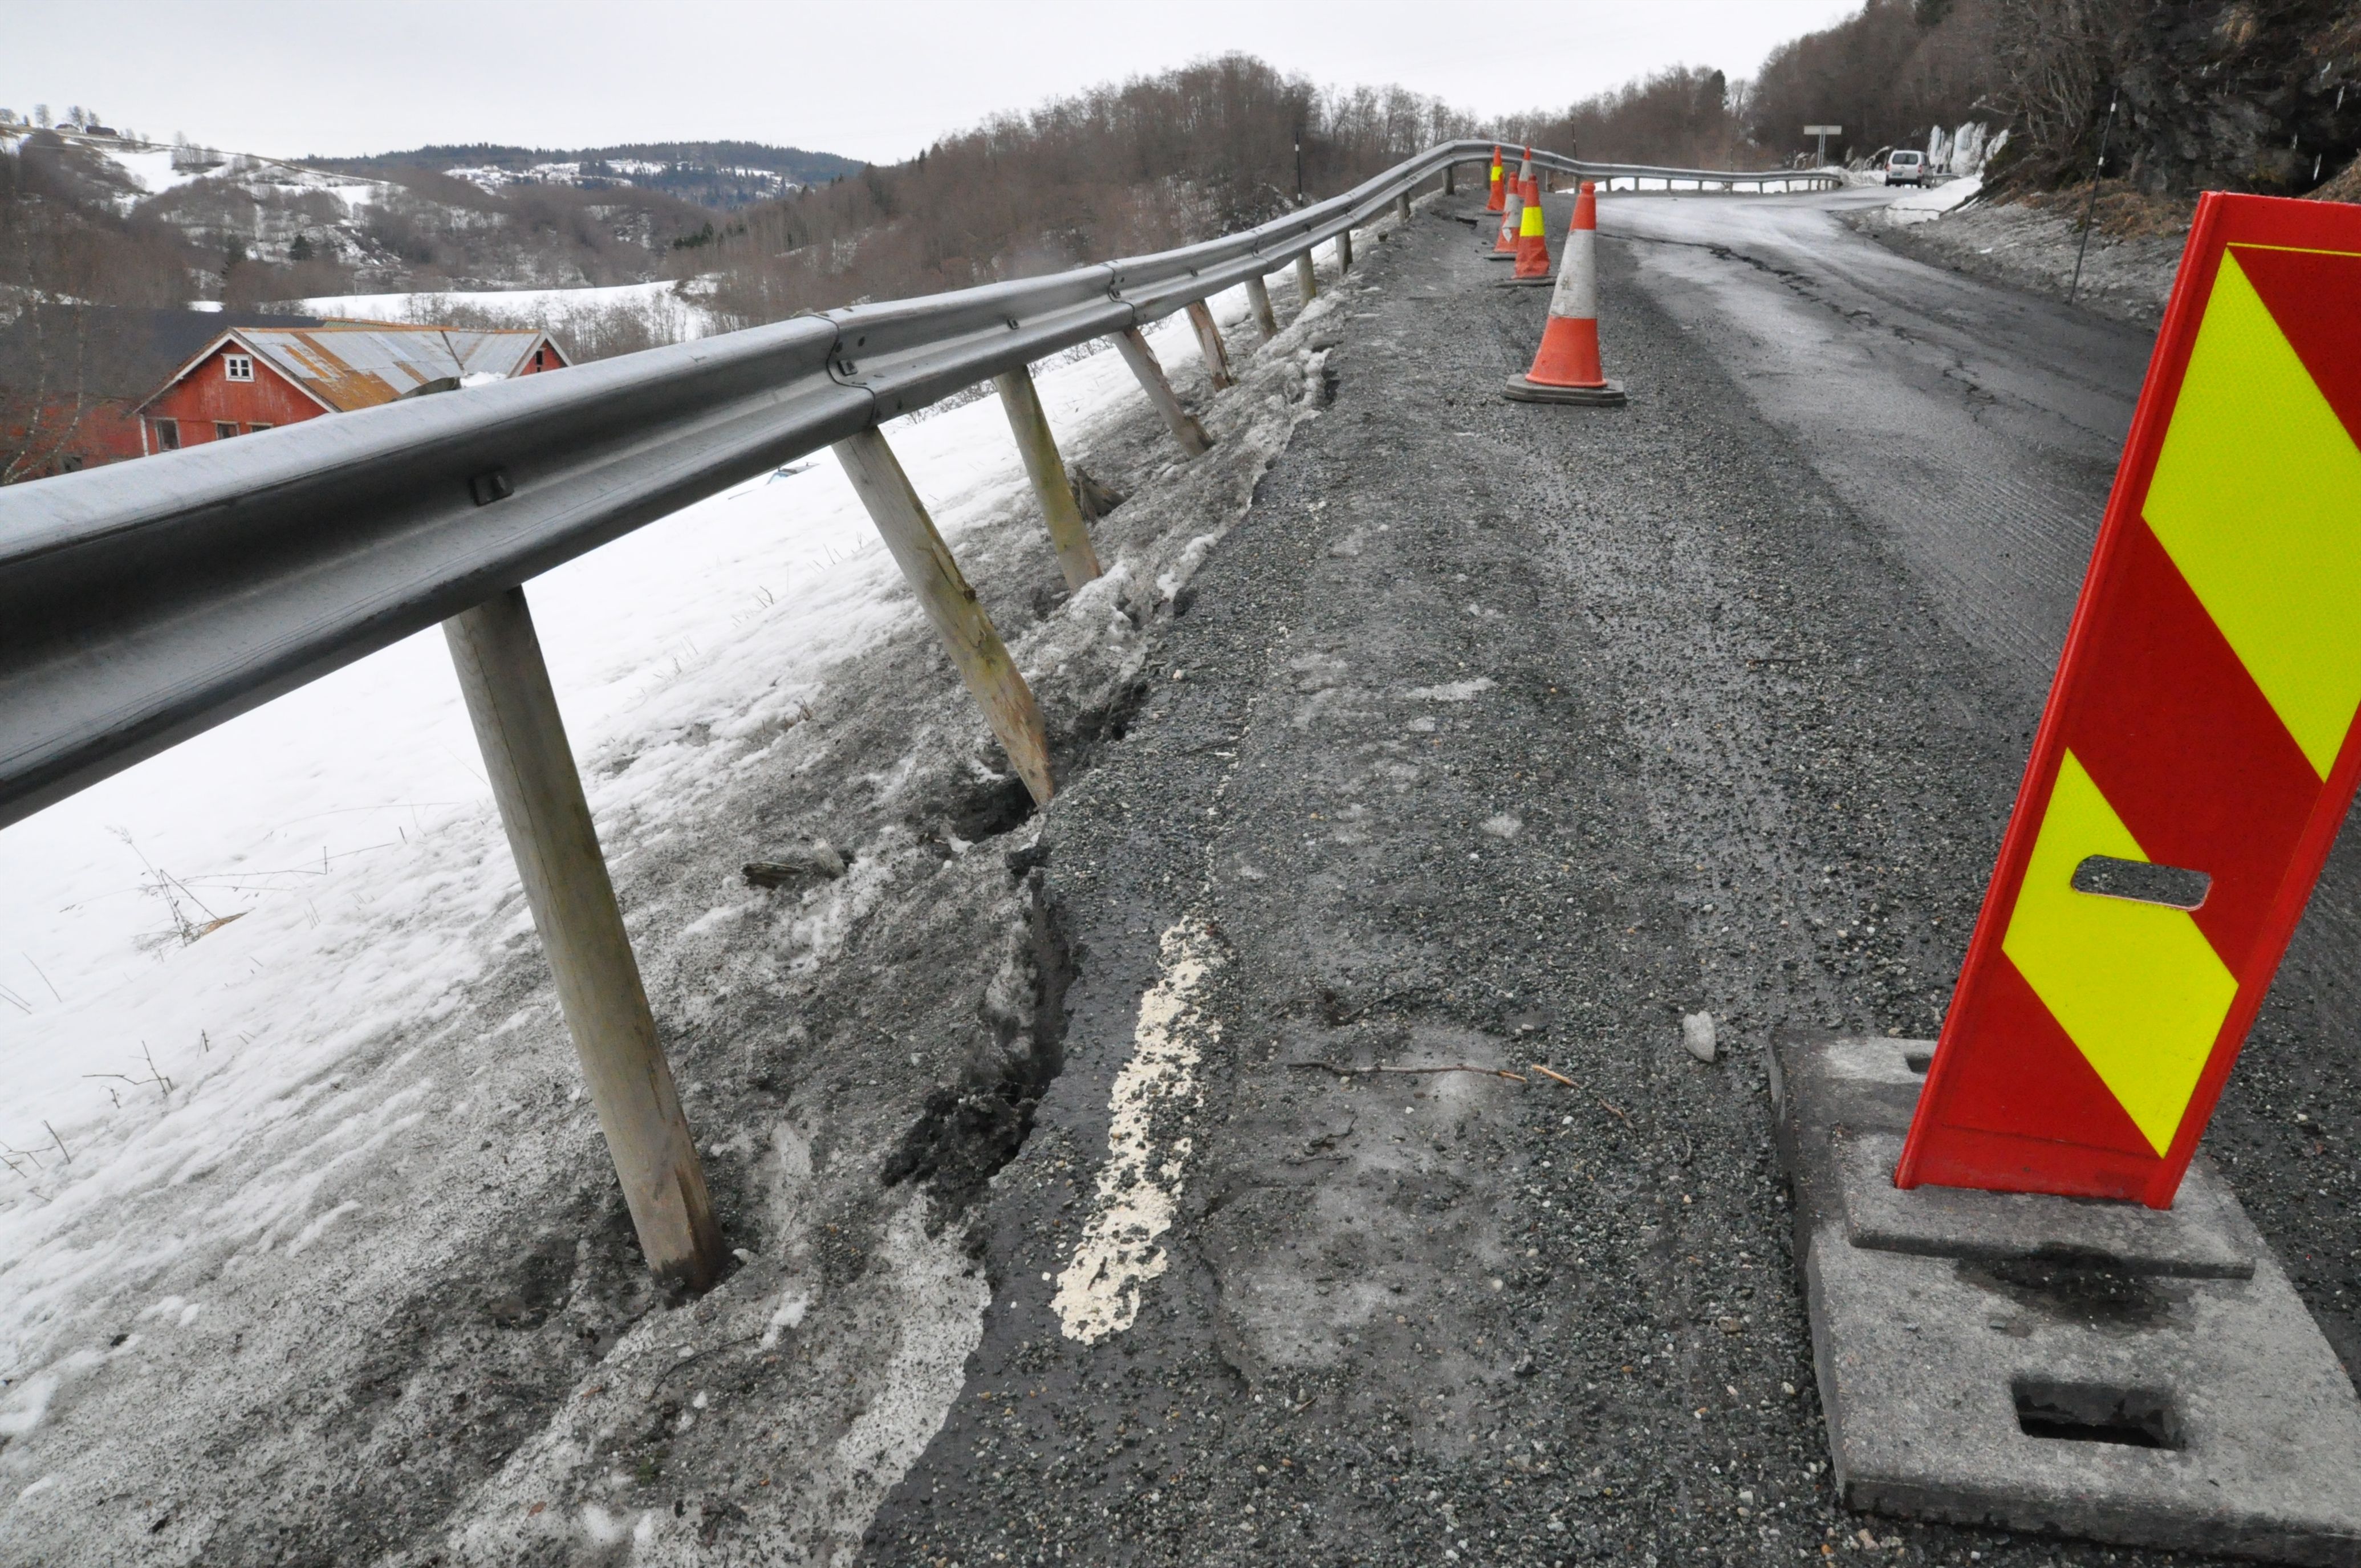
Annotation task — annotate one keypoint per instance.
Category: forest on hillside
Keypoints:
(2242, 94)
(2239, 94)
(2209, 94)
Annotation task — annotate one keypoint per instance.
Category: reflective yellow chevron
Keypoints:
(2136, 986)
(2256, 497)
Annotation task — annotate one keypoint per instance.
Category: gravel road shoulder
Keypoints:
(1497, 738)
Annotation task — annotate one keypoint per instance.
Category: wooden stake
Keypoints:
(1307, 281)
(1209, 344)
(1142, 360)
(1259, 296)
(1068, 534)
(926, 564)
(565, 883)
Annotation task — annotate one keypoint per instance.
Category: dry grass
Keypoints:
(2344, 187)
(2122, 212)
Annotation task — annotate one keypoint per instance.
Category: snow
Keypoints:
(492, 177)
(345, 835)
(680, 317)
(1929, 202)
(323, 1128)
(149, 168)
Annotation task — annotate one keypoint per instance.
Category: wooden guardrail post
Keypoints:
(1259, 296)
(958, 620)
(1307, 281)
(1152, 380)
(565, 883)
(1451, 180)
(1343, 251)
(1068, 534)
(1402, 207)
(1209, 344)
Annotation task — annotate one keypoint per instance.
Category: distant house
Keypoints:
(250, 378)
(83, 385)
(72, 377)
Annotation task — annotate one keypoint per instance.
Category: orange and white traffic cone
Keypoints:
(1499, 197)
(1566, 370)
(1504, 244)
(1532, 239)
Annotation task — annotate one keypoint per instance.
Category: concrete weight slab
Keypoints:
(2052, 1365)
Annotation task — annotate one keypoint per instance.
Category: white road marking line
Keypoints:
(1138, 1190)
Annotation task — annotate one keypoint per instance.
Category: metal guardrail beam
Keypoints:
(145, 602)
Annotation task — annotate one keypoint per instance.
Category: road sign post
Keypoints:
(1824, 133)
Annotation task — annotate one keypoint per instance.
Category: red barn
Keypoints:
(250, 378)
(72, 377)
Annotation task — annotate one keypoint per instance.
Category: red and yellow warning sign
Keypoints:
(2203, 719)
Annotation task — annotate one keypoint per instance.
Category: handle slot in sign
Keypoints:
(2142, 882)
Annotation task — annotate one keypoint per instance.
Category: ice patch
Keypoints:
(1932, 202)
(311, 1232)
(25, 1404)
(603, 1527)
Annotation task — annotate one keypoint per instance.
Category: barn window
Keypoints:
(239, 366)
(257, 428)
(168, 435)
(224, 429)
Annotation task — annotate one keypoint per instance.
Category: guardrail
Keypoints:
(145, 602)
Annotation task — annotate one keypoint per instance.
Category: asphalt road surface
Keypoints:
(1501, 735)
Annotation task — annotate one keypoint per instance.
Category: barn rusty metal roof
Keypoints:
(358, 365)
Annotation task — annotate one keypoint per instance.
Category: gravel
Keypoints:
(1458, 1317)
(2127, 277)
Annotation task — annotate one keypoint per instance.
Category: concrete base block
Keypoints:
(1609, 396)
(2050, 1363)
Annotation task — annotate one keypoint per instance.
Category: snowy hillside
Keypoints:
(582, 320)
(722, 175)
(259, 228)
(151, 169)
(308, 1248)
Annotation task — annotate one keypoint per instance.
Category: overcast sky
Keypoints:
(872, 78)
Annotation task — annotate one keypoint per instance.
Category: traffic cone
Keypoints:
(1566, 370)
(1532, 238)
(1499, 197)
(1504, 244)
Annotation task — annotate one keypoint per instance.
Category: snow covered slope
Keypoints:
(669, 313)
(308, 1248)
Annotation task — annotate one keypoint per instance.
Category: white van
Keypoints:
(1906, 168)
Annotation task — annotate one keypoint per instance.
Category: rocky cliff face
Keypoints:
(2222, 95)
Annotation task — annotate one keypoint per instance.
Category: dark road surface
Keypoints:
(1501, 735)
